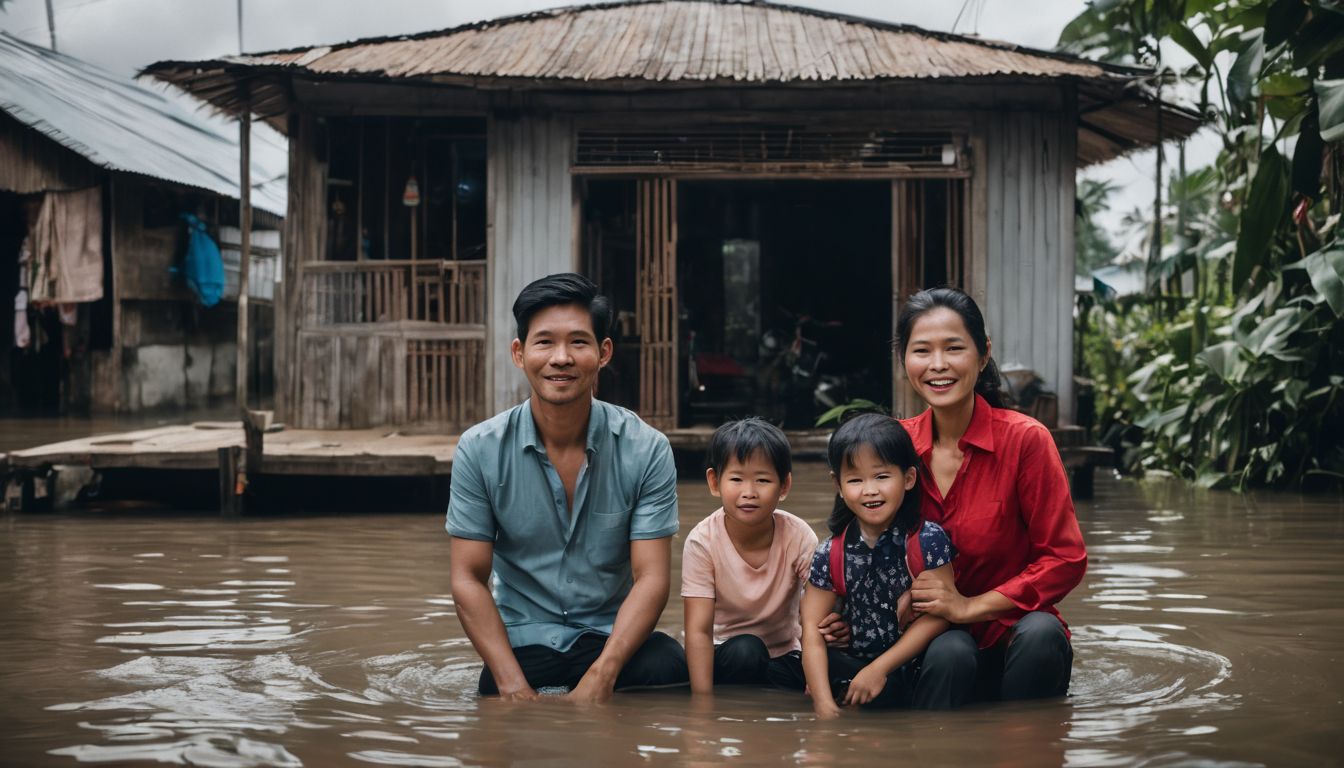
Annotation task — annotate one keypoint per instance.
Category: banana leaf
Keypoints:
(1260, 216)
(1330, 104)
(1325, 268)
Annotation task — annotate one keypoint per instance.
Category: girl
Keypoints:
(993, 478)
(877, 540)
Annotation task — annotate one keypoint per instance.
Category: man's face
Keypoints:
(561, 356)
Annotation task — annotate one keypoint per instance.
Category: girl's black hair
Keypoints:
(740, 439)
(987, 383)
(892, 444)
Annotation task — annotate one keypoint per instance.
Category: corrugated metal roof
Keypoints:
(117, 124)
(679, 41)
(648, 44)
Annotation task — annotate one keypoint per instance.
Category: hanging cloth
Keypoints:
(204, 267)
(67, 248)
(22, 336)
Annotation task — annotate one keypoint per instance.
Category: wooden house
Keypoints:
(117, 163)
(751, 182)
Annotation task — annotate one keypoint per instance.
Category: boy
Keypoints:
(743, 567)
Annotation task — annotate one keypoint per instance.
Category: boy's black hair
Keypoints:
(558, 290)
(740, 439)
(892, 444)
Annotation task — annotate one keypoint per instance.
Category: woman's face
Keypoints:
(941, 360)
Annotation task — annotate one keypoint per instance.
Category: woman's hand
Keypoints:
(939, 597)
(935, 593)
(834, 630)
(865, 686)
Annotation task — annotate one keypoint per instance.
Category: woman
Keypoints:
(993, 479)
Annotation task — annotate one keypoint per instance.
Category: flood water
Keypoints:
(1207, 632)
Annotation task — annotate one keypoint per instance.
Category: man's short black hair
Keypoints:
(558, 290)
(740, 439)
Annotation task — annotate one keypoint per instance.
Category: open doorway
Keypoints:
(783, 294)
(785, 289)
(767, 297)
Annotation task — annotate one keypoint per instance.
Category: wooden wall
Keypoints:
(304, 232)
(531, 230)
(31, 163)
(1028, 171)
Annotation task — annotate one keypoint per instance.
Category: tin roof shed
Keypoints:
(118, 124)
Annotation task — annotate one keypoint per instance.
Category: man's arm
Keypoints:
(469, 569)
(650, 564)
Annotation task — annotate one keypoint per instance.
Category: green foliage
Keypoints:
(1093, 247)
(841, 411)
(1233, 374)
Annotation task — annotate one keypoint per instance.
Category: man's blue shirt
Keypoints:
(557, 575)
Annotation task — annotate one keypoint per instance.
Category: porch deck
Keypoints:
(377, 452)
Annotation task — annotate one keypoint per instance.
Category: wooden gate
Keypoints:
(656, 300)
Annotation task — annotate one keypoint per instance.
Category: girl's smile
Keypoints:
(873, 490)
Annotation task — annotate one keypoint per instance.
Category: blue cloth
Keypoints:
(556, 575)
(875, 579)
(204, 267)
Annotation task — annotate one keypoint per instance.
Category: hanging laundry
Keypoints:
(204, 267)
(22, 336)
(67, 248)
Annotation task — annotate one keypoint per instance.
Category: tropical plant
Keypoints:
(1094, 246)
(1238, 380)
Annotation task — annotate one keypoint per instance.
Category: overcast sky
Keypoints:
(126, 35)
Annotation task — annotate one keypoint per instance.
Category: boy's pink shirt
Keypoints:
(758, 601)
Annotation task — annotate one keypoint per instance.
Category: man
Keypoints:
(572, 502)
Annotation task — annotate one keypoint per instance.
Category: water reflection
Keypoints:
(1206, 622)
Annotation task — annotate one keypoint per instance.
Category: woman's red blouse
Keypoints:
(1008, 512)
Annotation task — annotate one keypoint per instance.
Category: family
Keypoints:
(952, 536)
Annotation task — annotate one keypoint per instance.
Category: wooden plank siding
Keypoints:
(304, 231)
(531, 208)
(1028, 282)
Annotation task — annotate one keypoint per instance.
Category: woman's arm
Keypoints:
(870, 680)
(815, 605)
(939, 597)
(699, 612)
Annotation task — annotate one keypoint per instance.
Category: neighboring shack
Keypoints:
(724, 170)
(95, 171)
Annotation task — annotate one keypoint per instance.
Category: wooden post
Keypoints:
(255, 426)
(244, 250)
(232, 482)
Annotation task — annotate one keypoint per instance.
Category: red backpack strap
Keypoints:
(914, 553)
(838, 563)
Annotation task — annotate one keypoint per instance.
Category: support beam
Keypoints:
(244, 357)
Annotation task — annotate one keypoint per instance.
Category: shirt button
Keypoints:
(569, 580)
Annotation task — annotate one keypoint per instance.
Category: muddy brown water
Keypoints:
(1207, 632)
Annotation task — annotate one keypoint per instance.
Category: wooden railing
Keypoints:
(347, 292)
(392, 342)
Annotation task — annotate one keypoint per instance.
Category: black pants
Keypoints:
(744, 660)
(842, 668)
(660, 661)
(1035, 662)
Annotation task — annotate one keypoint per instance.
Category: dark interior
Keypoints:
(784, 294)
